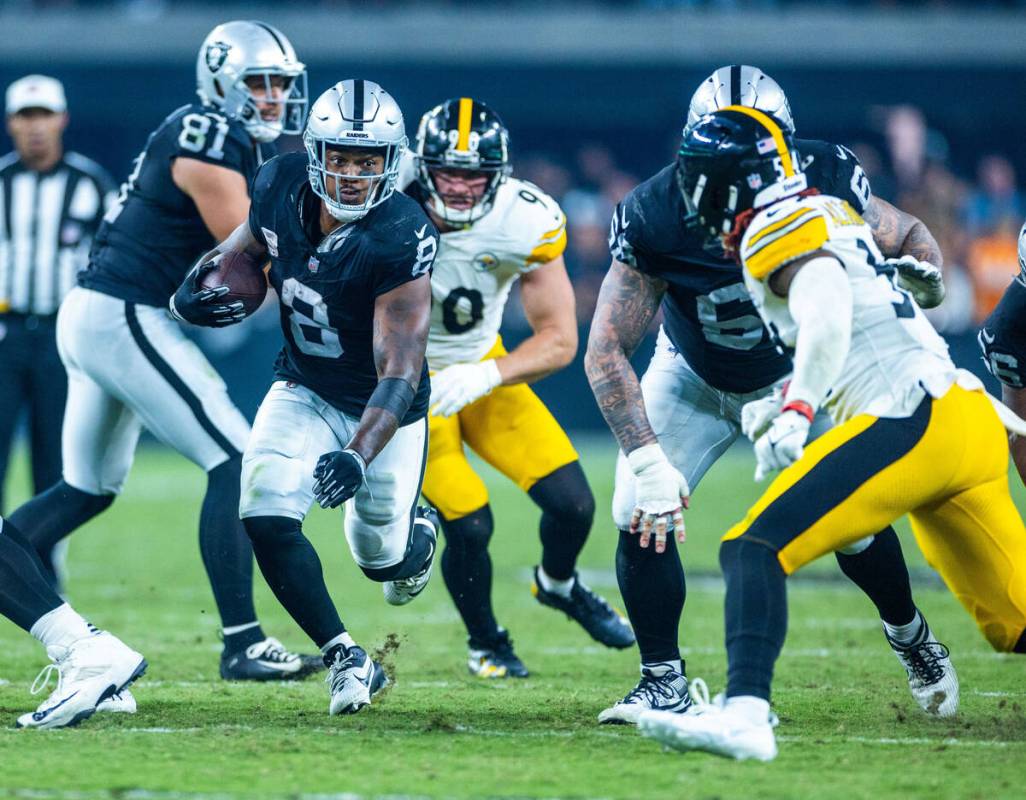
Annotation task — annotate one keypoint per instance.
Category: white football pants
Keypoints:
(293, 429)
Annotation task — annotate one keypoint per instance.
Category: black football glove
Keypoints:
(194, 304)
(339, 475)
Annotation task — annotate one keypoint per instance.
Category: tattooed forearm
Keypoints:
(897, 233)
(626, 305)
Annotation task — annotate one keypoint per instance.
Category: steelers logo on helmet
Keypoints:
(462, 157)
(732, 162)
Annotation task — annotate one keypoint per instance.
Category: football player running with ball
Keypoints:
(713, 356)
(914, 436)
(346, 420)
(91, 665)
(496, 230)
(130, 366)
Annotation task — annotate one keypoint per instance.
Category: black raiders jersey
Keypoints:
(707, 313)
(327, 285)
(153, 233)
(1003, 335)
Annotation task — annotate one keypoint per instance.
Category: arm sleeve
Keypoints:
(820, 302)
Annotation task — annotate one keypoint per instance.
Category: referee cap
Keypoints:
(36, 91)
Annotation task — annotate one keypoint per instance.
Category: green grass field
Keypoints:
(848, 725)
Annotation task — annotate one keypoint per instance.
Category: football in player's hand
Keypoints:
(243, 275)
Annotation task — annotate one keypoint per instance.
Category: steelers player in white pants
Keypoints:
(292, 430)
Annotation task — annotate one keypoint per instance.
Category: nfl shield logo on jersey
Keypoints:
(313, 264)
(755, 181)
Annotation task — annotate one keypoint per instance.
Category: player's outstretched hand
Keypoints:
(199, 305)
(782, 444)
(338, 477)
(661, 494)
(921, 278)
(458, 386)
(757, 415)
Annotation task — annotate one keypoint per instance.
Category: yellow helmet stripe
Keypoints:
(778, 135)
(466, 113)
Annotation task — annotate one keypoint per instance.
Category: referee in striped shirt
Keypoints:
(51, 204)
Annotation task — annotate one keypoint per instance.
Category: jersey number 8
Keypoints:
(309, 320)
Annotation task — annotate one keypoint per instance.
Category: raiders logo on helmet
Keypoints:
(217, 53)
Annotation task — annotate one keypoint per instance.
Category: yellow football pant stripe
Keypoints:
(463, 127)
(510, 428)
(953, 484)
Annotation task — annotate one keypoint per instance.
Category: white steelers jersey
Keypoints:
(475, 268)
(895, 354)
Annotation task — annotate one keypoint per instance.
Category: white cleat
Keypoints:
(353, 679)
(660, 690)
(88, 671)
(402, 591)
(715, 729)
(931, 675)
(122, 702)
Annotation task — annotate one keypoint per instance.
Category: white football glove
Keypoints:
(458, 386)
(757, 415)
(661, 494)
(921, 278)
(782, 444)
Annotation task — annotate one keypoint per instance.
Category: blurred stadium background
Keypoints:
(928, 94)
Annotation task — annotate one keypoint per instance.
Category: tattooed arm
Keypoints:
(626, 306)
(900, 234)
(401, 320)
(910, 247)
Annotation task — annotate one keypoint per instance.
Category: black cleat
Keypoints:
(268, 660)
(602, 622)
(495, 658)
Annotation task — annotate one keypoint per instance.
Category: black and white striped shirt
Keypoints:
(47, 223)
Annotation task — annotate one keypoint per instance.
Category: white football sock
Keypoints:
(660, 668)
(908, 633)
(550, 584)
(754, 709)
(61, 627)
(343, 639)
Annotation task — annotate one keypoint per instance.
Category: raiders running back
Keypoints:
(327, 287)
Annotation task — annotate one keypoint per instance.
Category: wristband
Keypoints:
(801, 407)
(394, 395)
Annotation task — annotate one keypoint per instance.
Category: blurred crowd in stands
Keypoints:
(976, 218)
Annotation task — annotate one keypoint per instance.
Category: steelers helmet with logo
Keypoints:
(732, 162)
(466, 135)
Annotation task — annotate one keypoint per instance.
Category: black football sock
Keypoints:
(653, 589)
(467, 569)
(755, 616)
(228, 556)
(292, 569)
(49, 517)
(568, 509)
(881, 573)
(25, 591)
(419, 548)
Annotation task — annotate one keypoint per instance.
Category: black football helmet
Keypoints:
(462, 134)
(732, 162)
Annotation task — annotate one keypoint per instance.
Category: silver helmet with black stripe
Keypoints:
(359, 115)
(740, 85)
(249, 71)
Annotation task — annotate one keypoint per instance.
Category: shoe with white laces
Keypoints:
(268, 660)
(122, 702)
(931, 675)
(661, 688)
(353, 679)
(720, 728)
(89, 670)
(402, 591)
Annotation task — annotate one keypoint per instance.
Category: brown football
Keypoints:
(244, 277)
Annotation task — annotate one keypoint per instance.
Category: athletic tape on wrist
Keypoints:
(394, 395)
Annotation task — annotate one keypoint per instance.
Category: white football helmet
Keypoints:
(235, 51)
(740, 85)
(358, 114)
